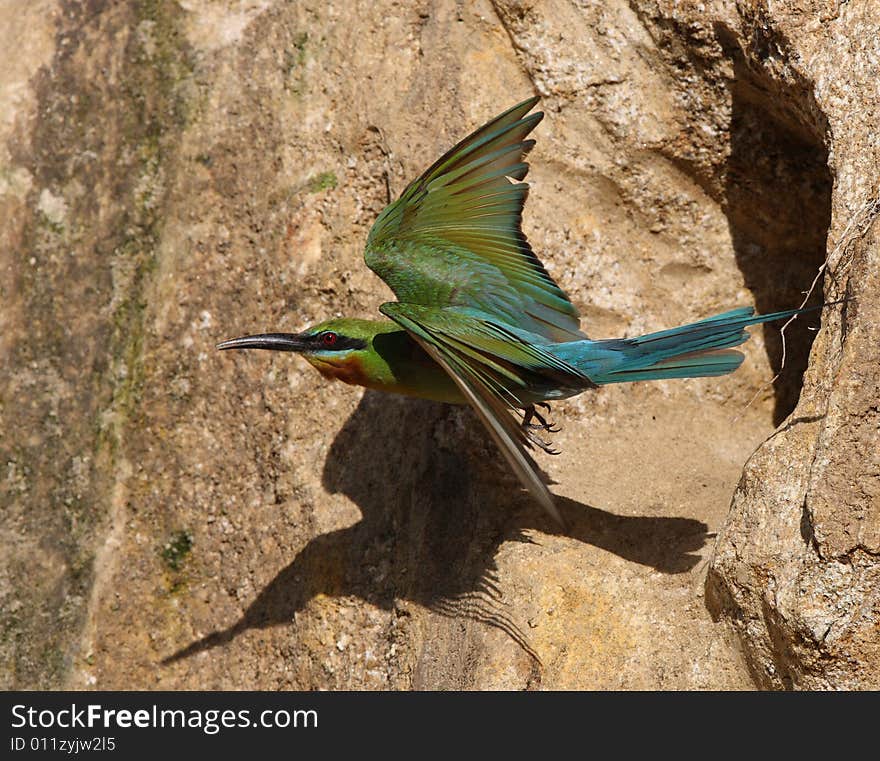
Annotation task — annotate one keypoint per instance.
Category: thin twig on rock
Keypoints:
(858, 225)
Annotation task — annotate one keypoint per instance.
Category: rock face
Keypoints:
(797, 566)
(172, 174)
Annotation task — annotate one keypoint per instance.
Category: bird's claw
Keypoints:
(539, 442)
(529, 413)
(542, 425)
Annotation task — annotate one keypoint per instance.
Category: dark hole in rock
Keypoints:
(777, 198)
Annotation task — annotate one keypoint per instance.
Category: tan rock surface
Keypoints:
(172, 174)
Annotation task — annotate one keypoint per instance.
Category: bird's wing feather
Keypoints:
(454, 237)
(488, 381)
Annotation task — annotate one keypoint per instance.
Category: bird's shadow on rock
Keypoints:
(437, 504)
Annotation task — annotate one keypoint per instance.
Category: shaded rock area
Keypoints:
(177, 173)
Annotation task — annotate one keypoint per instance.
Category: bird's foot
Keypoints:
(529, 414)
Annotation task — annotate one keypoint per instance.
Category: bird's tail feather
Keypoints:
(690, 351)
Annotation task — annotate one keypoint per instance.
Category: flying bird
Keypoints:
(478, 319)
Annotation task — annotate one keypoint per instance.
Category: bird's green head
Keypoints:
(337, 348)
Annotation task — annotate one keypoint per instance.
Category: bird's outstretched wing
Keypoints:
(495, 370)
(454, 236)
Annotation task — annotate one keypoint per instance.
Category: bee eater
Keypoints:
(479, 319)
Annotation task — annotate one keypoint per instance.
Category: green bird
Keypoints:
(478, 319)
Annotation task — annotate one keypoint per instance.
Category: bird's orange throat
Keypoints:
(349, 370)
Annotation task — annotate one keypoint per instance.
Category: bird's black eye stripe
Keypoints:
(329, 341)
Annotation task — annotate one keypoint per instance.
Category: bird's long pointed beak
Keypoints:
(273, 341)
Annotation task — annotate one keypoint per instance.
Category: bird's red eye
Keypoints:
(329, 339)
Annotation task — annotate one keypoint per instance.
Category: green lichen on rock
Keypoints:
(296, 57)
(176, 550)
(294, 62)
(160, 69)
(321, 182)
